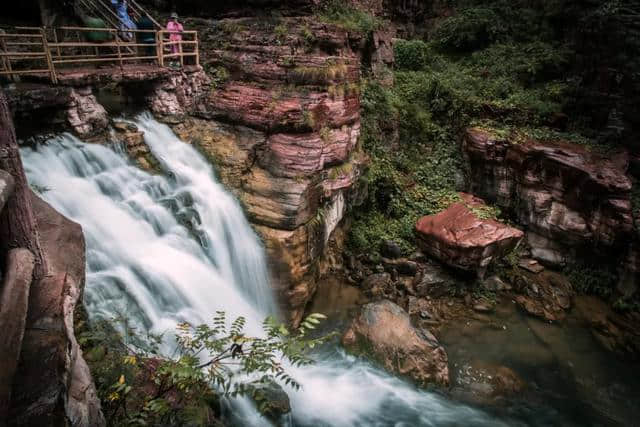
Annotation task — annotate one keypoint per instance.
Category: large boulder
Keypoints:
(458, 236)
(55, 386)
(384, 331)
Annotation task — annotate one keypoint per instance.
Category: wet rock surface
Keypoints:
(384, 331)
(460, 238)
(133, 141)
(546, 295)
(484, 383)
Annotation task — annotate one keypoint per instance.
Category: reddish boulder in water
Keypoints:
(459, 238)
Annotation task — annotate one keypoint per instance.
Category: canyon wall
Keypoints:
(574, 202)
(281, 123)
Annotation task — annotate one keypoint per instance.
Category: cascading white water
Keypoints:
(143, 261)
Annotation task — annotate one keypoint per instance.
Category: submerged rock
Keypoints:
(460, 238)
(485, 383)
(384, 331)
(546, 295)
(271, 399)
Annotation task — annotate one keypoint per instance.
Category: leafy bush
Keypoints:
(345, 15)
(469, 29)
(588, 279)
(138, 386)
(528, 62)
(412, 55)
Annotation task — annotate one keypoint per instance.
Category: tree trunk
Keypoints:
(18, 228)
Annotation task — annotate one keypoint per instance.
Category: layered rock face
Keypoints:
(384, 330)
(55, 385)
(567, 197)
(458, 237)
(282, 124)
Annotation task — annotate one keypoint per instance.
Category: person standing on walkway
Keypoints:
(175, 30)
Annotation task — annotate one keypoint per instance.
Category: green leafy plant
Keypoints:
(138, 386)
(470, 29)
(411, 55)
(349, 17)
(281, 31)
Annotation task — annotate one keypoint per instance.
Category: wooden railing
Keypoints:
(52, 51)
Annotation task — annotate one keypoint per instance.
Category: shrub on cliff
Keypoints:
(139, 386)
(411, 55)
(347, 16)
(469, 29)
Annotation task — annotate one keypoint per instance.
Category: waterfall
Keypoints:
(178, 248)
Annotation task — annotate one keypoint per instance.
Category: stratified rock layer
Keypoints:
(383, 330)
(566, 196)
(281, 124)
(459, 238)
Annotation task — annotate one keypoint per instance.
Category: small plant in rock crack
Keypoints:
(212, 362)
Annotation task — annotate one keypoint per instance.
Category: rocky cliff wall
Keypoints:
(277, 112)
(281, 124)
(573, 202)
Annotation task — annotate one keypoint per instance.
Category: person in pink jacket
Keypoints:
(175, 32)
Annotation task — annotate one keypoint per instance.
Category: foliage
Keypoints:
(416, 179)
(138, 386)
(411, 55)
(591, 279)
(219, 75)
(349, 17)
(411, 129)
(469, 29)
(485, 212)
(281, 32)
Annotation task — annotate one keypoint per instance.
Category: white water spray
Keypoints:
(164, 250)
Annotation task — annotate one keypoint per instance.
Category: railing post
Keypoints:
(6, 61)
(180, 52)
(47, 52)
(119, 52)
(55, 40)
(197, 45)
(160, 47)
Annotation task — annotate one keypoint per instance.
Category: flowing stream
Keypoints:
(164, 249)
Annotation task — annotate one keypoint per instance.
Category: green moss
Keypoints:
(348, 17)
(411, 54)
(470, 29)
(281, 31)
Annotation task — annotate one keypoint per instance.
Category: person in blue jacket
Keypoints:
(126, 23)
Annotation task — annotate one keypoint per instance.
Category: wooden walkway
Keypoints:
(65, 54)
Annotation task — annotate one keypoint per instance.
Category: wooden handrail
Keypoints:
(23, 47)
